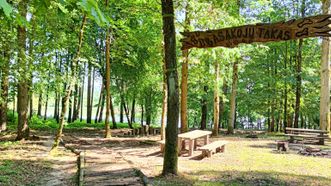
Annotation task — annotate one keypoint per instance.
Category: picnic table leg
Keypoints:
(195, 144)
(206, 139)
(291, 139)
(321, 141)
(191, 145)
(179, 145)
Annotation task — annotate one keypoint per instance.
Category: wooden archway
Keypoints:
(314, 26)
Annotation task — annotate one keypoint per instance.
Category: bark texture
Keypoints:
(170, 161)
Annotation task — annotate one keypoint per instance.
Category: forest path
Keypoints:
(104, 165)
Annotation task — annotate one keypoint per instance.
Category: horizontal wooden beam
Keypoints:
(314, 26)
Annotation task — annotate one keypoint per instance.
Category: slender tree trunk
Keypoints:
(233, 98)
(55, 105)
(170, 160)
(40, 100)
(148, 108)
(31, 101)
(102, 106)
(183, 103)
(23, 82)
(164, 102)
(222, 106)
(325, 77)
(112, 112)
(69, 87)
(121, 110)
(133, 111)
(99, 105)
(46, 105)
(70, 109)
(298, 75)
(4, 89)
(285, 92)
(76, 103)
(126, 110)
(142, 115)
(107, 129)
(89, 91)
(82, 96)
(216, 99)
(92, 93)
(204, 109)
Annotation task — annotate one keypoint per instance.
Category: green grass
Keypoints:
(37, 123)
(252, 162)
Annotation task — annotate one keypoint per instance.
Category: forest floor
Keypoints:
(245, 162)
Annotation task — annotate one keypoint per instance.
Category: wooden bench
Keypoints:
(214, 147)
(307, 134)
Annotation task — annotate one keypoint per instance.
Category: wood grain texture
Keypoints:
(313, 26)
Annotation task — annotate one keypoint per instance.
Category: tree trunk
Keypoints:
(298, 75)
(325, 77)
(82, 96)
(89, 92)
(46, 105)
(285, 92)
(4, 89)
(133, 111)
(183, 103)
(164, 102)
(216, 99)
(204, 109)
(121, 111)
(112, 112)
(76, 103)
(126, 110)
(55, 105)
(233, 98)
(70, 109)
(170, 160)
(142, 115)
(23, 82)
(107, 87)
(99, 105)
(222, 106)
(102, 106)
(148, 108)
(40, 104)
(69, 87)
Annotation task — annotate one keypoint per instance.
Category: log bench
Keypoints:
(307, 134)
(214, 147)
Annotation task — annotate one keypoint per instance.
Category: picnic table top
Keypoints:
(194, 134)
(306, 130)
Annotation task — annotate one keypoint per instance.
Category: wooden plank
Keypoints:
(307, 130)
(313, 26)
(213, 145)
(194, 134)
(307, 136)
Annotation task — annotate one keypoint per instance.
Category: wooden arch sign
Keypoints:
(314, 26)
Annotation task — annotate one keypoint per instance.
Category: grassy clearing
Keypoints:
(14, 172)
(252, 162)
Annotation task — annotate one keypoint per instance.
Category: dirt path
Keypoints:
(104, 165)
(32, 164)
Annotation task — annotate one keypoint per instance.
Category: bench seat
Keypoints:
(214, 147)
(307, 136)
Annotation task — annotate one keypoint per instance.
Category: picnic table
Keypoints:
(192, 137)
(314, 134)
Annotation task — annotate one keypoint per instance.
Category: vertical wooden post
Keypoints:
(325, 77)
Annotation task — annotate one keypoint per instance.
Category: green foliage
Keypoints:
(93, 11)
(7, 9)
